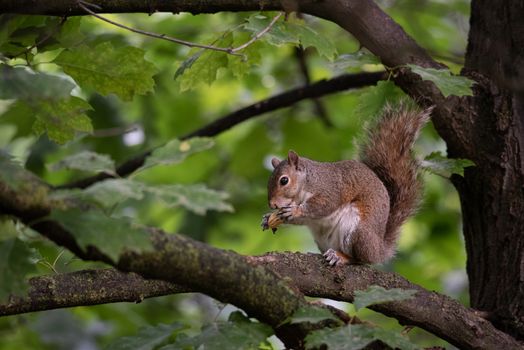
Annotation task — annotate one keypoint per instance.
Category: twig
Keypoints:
(232, 51)
(259, 34)
(82, 4)
(116, 131)
(286, 99)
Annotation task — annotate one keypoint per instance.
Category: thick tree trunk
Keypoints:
(492, 193)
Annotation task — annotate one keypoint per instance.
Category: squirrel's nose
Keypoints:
(272, 205)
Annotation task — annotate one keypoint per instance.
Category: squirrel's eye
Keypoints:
(284, 180)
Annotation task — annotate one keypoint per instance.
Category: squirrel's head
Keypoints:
(285, 184)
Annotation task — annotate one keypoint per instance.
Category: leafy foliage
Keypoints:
(176, 151)
(203, 66)
(86, 161)
(238, 332)
(61, 119)
(375, 98)
(292, 31)
(17, 261)
(377, 295)
(355, 337)
(26, 84)
(122, 71)
(441, 165)
(147, 338)
(312, 314)
(448, 84)
(110, 235)
(12, 172)
(355, 60)
(197, 198)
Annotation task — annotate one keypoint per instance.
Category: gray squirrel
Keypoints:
(354, 208)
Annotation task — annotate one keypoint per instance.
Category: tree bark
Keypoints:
(492, 193)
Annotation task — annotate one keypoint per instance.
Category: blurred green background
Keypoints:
(431, 250)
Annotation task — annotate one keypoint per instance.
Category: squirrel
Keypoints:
(355, 208)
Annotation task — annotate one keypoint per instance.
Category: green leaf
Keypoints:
(70, 34)
(112, 236)
(377, 295)
(448, 84)
(175, 151)
(197, 198)
(277, 35)
(204, 67)
(237, 333)
(7, 228)
(147, 338)
(355, 60)
(110, 192)
(86, 161)
(105, 194)
(61, 119)
(373, 99)
(441, 165)
(122, 71)
(12, 172)
(27, 84)
(186, 64)
(17, 261)
(251, 56)
(19, 179)
(310, 38)
(294, 32)
(355, 337)
(312, 314)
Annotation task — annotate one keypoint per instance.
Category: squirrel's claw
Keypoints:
(289, 213)
(335, 258)
(284, 213)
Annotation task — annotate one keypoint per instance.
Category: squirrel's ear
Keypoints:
(275, 162)
(292, 158)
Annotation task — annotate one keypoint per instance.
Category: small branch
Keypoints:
(116, 131)
(83, 5)
(232, 51)
(259, 34)
(286, 99)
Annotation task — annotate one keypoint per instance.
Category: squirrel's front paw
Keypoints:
(335, 258)
(288, 214)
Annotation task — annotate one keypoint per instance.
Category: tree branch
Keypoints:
(286, 99)
(320, 110)
(375, 30)
(431, 311)
(223, 275)
(87, 287)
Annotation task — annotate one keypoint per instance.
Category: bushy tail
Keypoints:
(388, 153)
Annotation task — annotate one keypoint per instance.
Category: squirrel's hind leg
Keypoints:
(367, 246)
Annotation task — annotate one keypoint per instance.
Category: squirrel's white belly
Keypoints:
(334, 231)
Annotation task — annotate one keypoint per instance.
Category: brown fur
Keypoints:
(388, 153)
